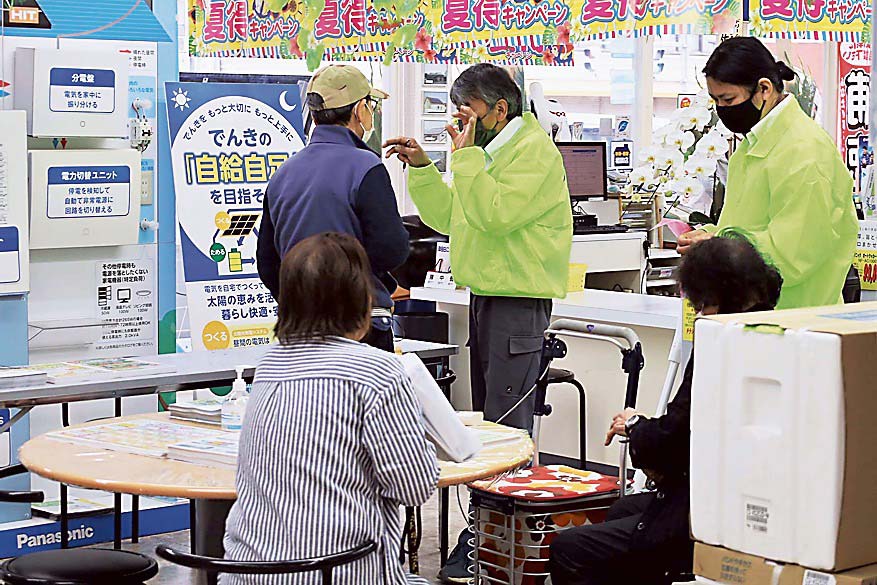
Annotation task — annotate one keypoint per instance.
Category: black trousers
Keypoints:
(505, 343)
(601, 554)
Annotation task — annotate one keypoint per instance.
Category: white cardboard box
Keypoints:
(783, 435)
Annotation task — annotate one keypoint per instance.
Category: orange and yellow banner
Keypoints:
(462, 31)
(505, 31)
(825, 20)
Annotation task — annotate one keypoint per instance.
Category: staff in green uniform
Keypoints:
(508, 213)
(788, 190)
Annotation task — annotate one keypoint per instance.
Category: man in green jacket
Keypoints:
(508, 213)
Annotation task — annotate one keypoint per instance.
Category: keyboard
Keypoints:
(581, 230)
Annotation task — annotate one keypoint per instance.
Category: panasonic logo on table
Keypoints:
(33, 540)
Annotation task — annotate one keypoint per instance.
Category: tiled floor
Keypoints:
(429, 554)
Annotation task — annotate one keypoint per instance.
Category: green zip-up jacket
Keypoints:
(507, 212)
(791, 194)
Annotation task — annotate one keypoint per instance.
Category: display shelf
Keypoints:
(660, 282)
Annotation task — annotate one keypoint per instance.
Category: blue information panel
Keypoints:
(82, 90)
(10, 267)
(88, 191)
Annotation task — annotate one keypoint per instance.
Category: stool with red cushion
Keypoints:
(516, 517)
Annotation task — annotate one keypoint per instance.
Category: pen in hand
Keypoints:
(407, 145)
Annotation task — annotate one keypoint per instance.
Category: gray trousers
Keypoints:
(505, 342)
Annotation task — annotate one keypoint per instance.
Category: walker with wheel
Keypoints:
(515, 517)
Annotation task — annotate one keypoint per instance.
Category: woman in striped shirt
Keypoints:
(332, 443)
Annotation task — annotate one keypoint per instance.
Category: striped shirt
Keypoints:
(332, 444)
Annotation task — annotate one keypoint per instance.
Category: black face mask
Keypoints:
(483, 135)
(742, 118)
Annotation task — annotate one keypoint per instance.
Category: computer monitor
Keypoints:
(585, 164)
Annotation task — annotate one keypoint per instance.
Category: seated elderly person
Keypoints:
(646, 536)
(332, 442)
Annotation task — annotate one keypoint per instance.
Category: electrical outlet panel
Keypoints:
(82, 198)
(70, 93)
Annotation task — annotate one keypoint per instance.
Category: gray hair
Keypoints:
(489, 84)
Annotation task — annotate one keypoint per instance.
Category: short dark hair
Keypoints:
(743, 61)
(325, 289)
(489, 84)
(729, 273)
(331, 117)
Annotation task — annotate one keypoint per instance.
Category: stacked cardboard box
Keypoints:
(721, 565)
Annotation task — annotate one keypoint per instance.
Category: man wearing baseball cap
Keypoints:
(337, 184)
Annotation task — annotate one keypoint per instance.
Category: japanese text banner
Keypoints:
(826, 20)
(227, 140)
(853, 102)
(461, 31)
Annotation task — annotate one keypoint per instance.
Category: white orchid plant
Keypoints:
(683, 159)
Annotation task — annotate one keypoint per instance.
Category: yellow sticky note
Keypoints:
(688, 317)
(866, 263)
(577, 274)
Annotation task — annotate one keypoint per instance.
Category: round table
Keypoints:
(212, 488)
(127, 473)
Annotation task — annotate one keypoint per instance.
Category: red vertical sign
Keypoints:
(853, 101)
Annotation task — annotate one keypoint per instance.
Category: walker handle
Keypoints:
(564, 326)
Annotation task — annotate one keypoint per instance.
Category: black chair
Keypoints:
(324, 565)
(85, 566)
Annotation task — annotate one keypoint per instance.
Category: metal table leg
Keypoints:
(413, 533)
(210, 516)
(193, 523)
(135, 519)
(117, 521)
(65, 520)
(443, 525)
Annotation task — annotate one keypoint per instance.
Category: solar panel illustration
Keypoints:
(241, 225)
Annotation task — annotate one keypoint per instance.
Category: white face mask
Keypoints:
(367, 134)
